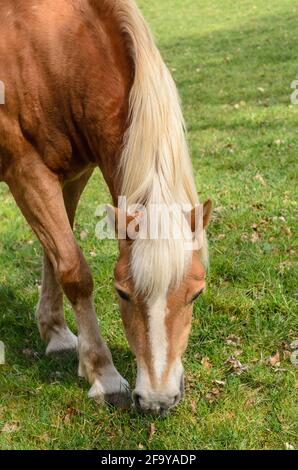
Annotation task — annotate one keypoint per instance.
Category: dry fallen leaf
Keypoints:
(274, 360)
(193, 405)
(220, 383)
(235, 365)
(255, 237)
(152, 431)
(233, 339)
(206, 363)
(84, 234)
(286, 354)
(238, 352)
(213, 394)
(10, 427)
(249, 402)
(69, 413)
(260, 179)
(29, 352)
(44, 437)
(218, 210)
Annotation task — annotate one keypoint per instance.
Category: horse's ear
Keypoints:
(207, 212)
(197, 212)
(119, 220)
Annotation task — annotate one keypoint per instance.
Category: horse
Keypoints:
(86, 87)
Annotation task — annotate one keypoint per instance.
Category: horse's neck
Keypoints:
(105, 94)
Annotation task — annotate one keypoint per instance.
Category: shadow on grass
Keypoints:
(25, 350)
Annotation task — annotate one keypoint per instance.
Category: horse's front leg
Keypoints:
(50, 313)
(38, 193)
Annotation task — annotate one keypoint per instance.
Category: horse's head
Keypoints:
(157, 325)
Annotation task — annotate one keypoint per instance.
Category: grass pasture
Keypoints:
(234, 63)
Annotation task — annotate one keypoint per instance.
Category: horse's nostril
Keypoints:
(136, 398)
(177, 398)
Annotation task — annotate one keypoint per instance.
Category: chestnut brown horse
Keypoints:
(86, 87)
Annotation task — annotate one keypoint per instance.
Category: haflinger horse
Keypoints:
(86, 87)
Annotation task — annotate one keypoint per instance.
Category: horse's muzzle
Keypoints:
(157, 403)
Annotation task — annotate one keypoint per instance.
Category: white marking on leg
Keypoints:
(105, 380)
(109, 382)
(62, 340)
(157, 311)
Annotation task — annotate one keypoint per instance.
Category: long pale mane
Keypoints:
(155, 164)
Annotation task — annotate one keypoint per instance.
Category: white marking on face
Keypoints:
(157, 312)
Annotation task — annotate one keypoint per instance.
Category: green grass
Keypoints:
(233, 63)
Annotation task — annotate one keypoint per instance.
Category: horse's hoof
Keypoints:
(116, 393)
(63, 341)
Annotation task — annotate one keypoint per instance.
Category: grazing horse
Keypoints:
(86, 87)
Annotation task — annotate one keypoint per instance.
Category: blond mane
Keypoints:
(155, 164)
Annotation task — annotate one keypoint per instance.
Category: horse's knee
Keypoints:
(75, 277)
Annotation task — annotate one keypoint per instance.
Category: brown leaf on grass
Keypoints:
(294, 345)
(220, 236)
(152, 431)
(287, 230)
(140, 446)
(289, 446)
(249, 402)
(213, 394)
(69, 413)
(235, 365)
(206, 363)
(193, 405)
(29, 352)
(217, 211)
(284, 266)
(84, 234)
(274, 360)
(260, 179)
(10, 427)
(238, 352)
(233, 339)
(286, 354)
(220, 383)
(44, 437)
(255, 237)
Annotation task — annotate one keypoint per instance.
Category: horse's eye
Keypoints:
(197, 295)
(123, 295)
